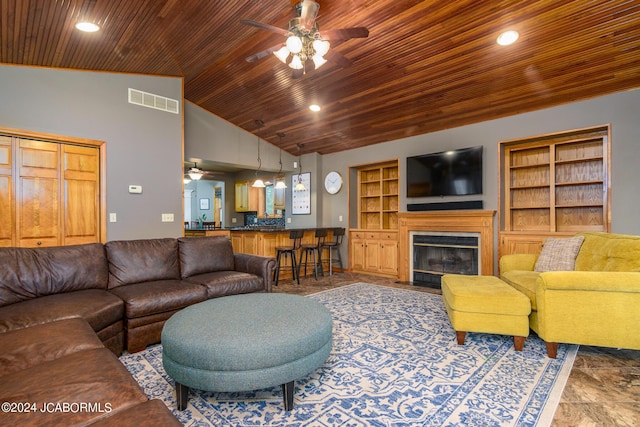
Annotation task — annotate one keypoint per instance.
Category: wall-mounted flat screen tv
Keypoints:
(449, 173)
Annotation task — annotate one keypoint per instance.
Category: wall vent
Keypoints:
(150, 100)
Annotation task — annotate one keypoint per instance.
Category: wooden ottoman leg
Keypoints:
(518, 343)
(182, 394)
(287, 394)
(460, 335)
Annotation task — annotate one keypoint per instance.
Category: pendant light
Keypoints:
(280, 179)
(258, 183)
(299, 186)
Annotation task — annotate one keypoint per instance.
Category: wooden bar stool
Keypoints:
(296, 237)
(315, 249)
(334, 246)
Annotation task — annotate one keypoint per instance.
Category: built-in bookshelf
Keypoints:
(554, 184)
(378, 193)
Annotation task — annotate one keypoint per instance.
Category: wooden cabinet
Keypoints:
(373, 245)
(378, 196)
(247, 197)
(553, 185)
(279, 198)
(7, 200)
(49, 193)
(242, 196)
(374, 252)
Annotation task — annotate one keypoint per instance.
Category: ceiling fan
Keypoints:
(305, 46)
(195, 173)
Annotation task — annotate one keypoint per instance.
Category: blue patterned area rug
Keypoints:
(395, 362)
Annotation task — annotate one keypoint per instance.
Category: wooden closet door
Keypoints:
(37, 210)
(6, 193)
(80, 168)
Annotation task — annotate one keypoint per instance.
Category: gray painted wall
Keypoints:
(144, 145)
(621, 110)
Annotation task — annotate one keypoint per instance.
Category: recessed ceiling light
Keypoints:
(507, 38)
(314, 107)
(87, 27)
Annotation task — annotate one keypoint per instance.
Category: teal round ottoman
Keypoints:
(246, 342)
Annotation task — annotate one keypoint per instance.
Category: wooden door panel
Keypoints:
(38, 212)
(6, 193)
(38, 220)
(81, 212)
(81, 194)
(372, 256)
(6, 211)
(80, 162)
(38, 158)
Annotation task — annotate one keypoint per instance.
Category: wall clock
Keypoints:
(333, 182)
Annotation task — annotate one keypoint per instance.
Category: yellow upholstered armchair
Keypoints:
(598, 303)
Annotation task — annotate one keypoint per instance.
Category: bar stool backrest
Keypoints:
(296, 237)
(321, 236)
(338, 234)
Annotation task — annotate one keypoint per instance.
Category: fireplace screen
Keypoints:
(434, 256)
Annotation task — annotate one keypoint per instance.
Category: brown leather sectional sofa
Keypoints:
(66, 313)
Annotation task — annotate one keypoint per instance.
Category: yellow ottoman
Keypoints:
(485, 304)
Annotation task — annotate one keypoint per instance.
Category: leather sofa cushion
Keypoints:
(31, 346)
(91, 376)
(28, 273)
(222, 283)
(143, 299)
(205, 254)
(150, 413)
(134, 261)
(99, 308)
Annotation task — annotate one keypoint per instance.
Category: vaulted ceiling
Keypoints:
(426, 65)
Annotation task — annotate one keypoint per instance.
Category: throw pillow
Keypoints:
(559, 254)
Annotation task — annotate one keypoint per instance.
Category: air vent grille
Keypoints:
(150, 100)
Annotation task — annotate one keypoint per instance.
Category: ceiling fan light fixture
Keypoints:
(186, 180)
(195, 174)
(318, 60)
(294, 44)
(314, 107)
(282, 54)
(321, 47)
(296, 63)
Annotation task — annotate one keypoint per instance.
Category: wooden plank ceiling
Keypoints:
(426, 65)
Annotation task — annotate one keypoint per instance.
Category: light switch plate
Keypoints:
(135, 189)
(167, 217)
(112, 217)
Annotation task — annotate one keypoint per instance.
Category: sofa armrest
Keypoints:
(594, 281)
(522, 262)
(261, 266)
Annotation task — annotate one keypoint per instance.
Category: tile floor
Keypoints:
(603, 388)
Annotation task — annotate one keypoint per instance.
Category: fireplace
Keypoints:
(467, 223)
(434, 254)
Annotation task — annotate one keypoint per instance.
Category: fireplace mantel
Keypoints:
(470, 221)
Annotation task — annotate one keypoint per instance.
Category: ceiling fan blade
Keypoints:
(345, 34)
(338, 58)
(308, 14)
(263, 53)
(267, 27)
